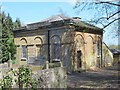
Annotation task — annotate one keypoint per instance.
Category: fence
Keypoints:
(37, 61)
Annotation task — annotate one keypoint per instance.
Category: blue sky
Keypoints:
(36, 11)
(29, 12)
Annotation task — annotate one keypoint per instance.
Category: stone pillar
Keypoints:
(61, 65)
(47, 66)
(5, 65)
(10, 63)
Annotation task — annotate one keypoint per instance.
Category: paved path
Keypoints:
(103, 78)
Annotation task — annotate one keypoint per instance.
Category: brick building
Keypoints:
(59, 38)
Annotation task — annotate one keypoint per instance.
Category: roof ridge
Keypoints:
(52, 18)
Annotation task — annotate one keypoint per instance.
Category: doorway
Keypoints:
(79, 59)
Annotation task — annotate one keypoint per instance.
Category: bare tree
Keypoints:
(105, 12)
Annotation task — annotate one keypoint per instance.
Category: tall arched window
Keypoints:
(90, 52)
(91, 46)
(79, 41)
(38, 43)
(23, 43)
(55, 48)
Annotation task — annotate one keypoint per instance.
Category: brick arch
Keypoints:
(38, 40)
(79, 35)
(56, 39)
(79, 41)
(91, 38)
(23, 41)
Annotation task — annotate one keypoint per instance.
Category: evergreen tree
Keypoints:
(17, 23)
(8, 46)
(0, 37)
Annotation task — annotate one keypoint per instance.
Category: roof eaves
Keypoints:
(86, 25)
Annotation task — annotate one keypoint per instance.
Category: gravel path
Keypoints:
(103, 78)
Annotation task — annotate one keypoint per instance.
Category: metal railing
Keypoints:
(36, 61)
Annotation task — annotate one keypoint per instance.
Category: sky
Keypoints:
(31, 12)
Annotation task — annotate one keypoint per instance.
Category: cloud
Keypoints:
(72, 2)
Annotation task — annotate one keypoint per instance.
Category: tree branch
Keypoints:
(84, 6)
(108, 3)
(113, 15)
(111, 22)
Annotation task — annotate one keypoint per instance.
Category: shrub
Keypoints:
(23, 80)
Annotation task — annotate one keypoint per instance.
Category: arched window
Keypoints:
(23, 43)
(79, 41)
(90, 43)
(55, 48)
(38, 42)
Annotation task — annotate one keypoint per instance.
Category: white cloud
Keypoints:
(73, 2)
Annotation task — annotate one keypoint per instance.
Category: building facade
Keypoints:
(59, 38)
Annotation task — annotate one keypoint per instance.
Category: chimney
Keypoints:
(77, 18)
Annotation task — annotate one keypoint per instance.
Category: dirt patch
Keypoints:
(103, 78)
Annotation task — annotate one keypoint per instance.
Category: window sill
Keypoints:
(98, 56)
(23, 59)
(56, 60)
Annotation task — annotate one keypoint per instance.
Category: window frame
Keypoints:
(24, 53)
(55, 48)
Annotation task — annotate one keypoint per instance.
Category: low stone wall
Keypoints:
(47, 78)
(51, 78)
(4, 67)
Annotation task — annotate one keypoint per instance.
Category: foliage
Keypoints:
(52, 65)
(104, 13)
(6, 82)
(114, 47)
(23, 80)
(17, 23)
(8, 47)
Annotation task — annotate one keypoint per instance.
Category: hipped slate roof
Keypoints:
(57, 20)
(115, 51)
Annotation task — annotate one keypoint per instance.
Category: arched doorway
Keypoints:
(79, 59)
(79, 49)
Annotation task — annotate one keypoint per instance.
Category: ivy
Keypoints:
(23, 78)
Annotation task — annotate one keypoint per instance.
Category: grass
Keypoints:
(36, 68)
